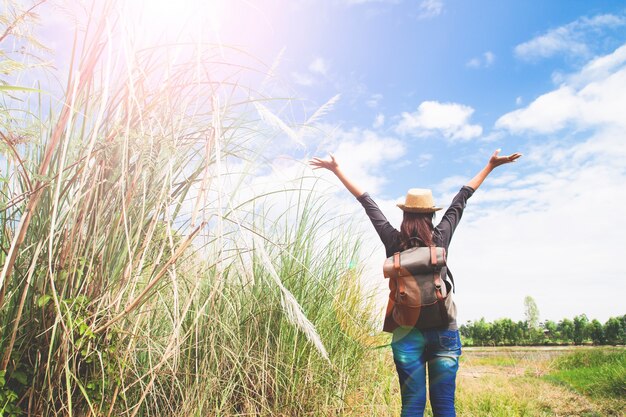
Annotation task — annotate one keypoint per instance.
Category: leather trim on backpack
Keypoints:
(433, 255)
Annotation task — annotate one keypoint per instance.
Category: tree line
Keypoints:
(579, 330)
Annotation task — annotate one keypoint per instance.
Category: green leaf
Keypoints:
(10, 395)
(18, 88)
(44, 300)
(21, 377)
(82, 300)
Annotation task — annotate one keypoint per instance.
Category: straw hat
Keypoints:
(419, 200)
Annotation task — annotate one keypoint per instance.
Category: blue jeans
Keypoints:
(413, 350)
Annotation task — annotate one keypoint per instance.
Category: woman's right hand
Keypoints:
(496, 160)
(329, 164)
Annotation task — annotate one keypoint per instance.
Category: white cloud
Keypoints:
(364, 153)
(319, 66)
(546, 114)
(474, 63)
(451, 120)
(519, 100)
(600, 67)
(302, 79)
(571, 39)
(424, 159)
(430, 8)
(493, 136)
(555, 41)
(374, 100)
(379, 121)
(484, 61)
(594, 97)
(449, 185)
(317, 71)
(489, 58)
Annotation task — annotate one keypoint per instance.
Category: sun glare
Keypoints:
(237, 23)
(167, 18)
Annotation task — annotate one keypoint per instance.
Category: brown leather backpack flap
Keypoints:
(418, 295)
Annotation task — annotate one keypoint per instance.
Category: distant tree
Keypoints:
(497, 332)
(550, 329)
(512, 333)
(536, 336)
(482, 332)
(522, 327)
(580, 329)
(596, 332)
(613, 331)
(531, 311)
(623, 326)
(466, 329)
(565, 330)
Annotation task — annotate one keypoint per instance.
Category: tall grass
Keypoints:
(139, 277)
(598, 373)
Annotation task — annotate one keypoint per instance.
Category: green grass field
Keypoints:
(599, 374)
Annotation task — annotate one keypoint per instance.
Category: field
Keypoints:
(520, 381)
(156, 260)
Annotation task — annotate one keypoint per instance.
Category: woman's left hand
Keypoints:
(496, 160)
(329, 164)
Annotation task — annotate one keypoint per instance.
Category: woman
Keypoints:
(415, 350)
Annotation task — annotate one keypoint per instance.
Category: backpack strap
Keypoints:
(396, 261)
(433, 256)
(442, 308)
(396, 266)
(451, 279)
(440, 299)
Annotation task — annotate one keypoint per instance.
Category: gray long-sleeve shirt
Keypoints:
(442, 235)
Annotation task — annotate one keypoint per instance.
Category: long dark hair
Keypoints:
(416, 225)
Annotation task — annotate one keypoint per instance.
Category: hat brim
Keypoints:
(418, 209)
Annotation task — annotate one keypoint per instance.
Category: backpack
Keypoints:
(420, 296)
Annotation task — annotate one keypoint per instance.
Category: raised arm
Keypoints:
(387, 233)
(332, 165)
(494, 161)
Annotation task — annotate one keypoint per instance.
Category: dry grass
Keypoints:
(495, 392)
(502, 382)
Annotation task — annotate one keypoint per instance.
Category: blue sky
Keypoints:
(427, 90)
(430, 88)
(386, 58)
